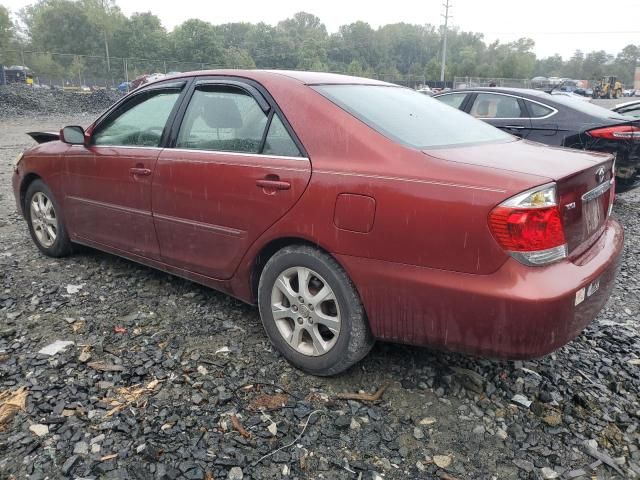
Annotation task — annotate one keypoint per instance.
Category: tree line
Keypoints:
(401, 50)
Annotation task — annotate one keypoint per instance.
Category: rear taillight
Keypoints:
(529, 226)
(619, 132)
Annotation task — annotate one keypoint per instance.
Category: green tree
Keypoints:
(354, 42)
(6, 28)
(141, 36)
(106, 18)
(574, 67)
(395, 52)
(596, 65)
(626, 63)
(238, 58)
(235, 35)
(549, 67)
(61, 26)
(308, 37)
(197, 41)
(45, 67)
(404, 44)
(355, 68)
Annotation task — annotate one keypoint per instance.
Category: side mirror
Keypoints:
(73, 135)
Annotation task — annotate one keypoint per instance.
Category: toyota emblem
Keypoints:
(600, 175)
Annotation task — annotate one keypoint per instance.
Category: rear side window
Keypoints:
(222, 118)
(491, 105)
(410, 118)
(452, 99)
(536, 110)
(278, 141)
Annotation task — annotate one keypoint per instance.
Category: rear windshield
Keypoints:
(586, 107)
(410, 118)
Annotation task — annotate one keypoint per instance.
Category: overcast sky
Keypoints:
(556, 26)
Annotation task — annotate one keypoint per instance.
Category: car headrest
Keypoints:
(483, 108)
(220, 112)
(507, 109)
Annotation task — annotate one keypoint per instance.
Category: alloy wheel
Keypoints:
(43, 219)
(306, 311)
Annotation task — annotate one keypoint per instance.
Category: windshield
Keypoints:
(411, 118)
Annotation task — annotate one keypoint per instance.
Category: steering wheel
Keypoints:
(149, 137)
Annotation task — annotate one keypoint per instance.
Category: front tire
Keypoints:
(311, 311)
(42, 213)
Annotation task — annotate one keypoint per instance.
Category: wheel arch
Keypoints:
(28, 179)
(269, 249)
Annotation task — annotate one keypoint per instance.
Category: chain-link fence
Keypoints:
(474, 82)
(71, 71)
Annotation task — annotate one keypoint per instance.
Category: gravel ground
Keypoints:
(15, 99)
(167, 379)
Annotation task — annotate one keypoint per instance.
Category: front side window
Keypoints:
(222, 118)
(452, 99)
(410, 118)
(141, 122)
(490, 105)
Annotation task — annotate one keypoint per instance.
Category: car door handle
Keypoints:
(514, 127)
(140, 172)
(273, 184)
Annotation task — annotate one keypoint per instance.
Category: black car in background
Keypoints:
(557, 120)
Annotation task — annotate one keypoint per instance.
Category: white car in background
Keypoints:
(632, 108)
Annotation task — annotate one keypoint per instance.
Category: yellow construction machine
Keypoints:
(609, 87)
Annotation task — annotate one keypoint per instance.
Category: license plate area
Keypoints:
(594, 208)
(586, 292)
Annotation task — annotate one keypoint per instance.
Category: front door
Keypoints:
(108, 181)
(235, 170)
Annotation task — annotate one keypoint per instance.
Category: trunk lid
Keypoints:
(582, 180)
(585, 199)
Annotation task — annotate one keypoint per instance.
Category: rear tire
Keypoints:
(43, 215)
(311, 311)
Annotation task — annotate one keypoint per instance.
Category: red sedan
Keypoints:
(348, 209)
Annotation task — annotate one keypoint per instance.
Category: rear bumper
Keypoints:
(516, 312)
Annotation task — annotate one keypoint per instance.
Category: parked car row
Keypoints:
(558, 120)
(347, 209)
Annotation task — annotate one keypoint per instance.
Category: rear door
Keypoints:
(506, 112)
(544, 123)
(235, 168)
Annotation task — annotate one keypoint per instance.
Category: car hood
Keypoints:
(523, 156)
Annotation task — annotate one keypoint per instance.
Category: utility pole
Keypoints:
(106, 48)
(444, 39)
